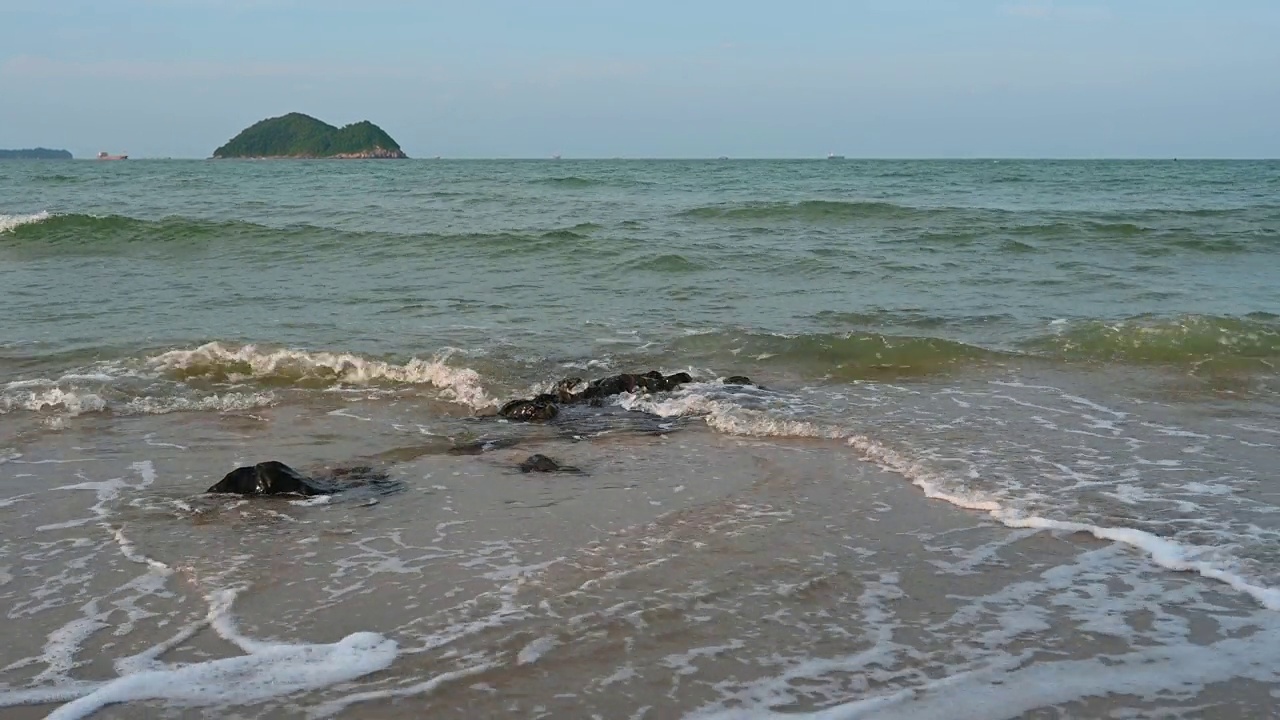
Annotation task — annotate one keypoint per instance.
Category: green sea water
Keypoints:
(948, 261)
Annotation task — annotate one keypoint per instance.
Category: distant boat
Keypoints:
(556, 156)
(833, 156)
(106, 156)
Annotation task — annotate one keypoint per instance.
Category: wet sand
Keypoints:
(682, 575)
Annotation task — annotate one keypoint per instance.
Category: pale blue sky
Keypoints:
(653, 78)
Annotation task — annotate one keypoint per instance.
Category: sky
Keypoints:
(653, 78)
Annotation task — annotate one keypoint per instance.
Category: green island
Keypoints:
(35, 154)
(301, 136)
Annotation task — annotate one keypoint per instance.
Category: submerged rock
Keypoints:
(275, 478)
(542, 463)
(265, 478)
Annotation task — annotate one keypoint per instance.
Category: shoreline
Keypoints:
(772, 569)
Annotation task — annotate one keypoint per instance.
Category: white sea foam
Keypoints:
(536, 649)
(73, 402)
(1010, 687)
(267, 670)
(226, 402)
(106, 491)
(270, 672)
(728, 417)
(456, 383)
(6, 502)
(9, 222)
(66, 379)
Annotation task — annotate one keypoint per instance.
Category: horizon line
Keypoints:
(723, 158)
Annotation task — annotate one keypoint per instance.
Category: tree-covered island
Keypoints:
(35, 154)
(301, 136)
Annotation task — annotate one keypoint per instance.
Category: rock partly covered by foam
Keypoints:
(573, 390)
(301, 136)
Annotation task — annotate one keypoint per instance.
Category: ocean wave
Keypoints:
(10, 222)
(568, 181)
(835, 356)
(71, 402)
(300, 368)
(667, 263)
(227, 402)
(1134, 234)
(80, 234)
(574, 182)
(76, 395)
(811, 210)
(1198, 343)
(1201, 342)
(105, 233)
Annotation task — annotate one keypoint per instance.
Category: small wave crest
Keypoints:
(71, 402)
(568, 181)
(835, 356)
(1204, 343)
(226, 402)
(811, 210)
(575, 182)
(73, 232)
(70, 399)
(300, 368)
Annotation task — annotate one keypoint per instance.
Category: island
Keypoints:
(35, 154)
(299, 136)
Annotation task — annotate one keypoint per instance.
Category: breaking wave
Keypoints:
(10, 222)
(300, 368)
(1201, 342)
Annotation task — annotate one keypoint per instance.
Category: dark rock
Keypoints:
(652, 381)
(612, 385)
(267, 478)
(276, 478)
(738, 380)
(544, 407)
(542, 463)
(529, 410)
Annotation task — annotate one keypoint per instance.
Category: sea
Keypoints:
(1010, 449)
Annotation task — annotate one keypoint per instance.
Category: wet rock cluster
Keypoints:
(572, 391)
(276, 478)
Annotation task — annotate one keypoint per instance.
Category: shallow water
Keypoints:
(1013, 456)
